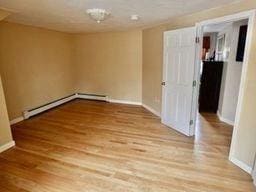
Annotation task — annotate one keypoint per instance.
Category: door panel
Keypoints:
(179, 59)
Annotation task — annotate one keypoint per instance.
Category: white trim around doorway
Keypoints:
(250, 15)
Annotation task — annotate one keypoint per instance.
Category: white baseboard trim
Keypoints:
(92, 97)
(46, 107)
(16, 120)
(124, 102)
(7, 146)
(254, 180)
(254, 173)
(151, 110)
(224, 119)
(242, 165)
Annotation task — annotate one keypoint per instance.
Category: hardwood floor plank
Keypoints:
(98, 146)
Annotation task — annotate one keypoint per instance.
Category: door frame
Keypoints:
(250, 15)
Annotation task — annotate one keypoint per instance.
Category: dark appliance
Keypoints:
(210, 86)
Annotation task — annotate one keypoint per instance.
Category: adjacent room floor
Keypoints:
(96, 146)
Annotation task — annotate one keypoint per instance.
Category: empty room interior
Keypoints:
(128, 95)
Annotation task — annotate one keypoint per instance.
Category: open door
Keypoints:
(178, 79)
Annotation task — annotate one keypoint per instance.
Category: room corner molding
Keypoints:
(7, 146)
(225, 120)
(151, 110)
(241, 164)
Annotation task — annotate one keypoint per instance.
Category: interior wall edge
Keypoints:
(7, 146)
(6, 139)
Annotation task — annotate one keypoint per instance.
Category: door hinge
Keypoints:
(191, 122)
(194, 83)
(163, 83)
(197, 40)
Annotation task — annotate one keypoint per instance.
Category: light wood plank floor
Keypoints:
(96, 146)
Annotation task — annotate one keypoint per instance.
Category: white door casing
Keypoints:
(178, 76)
(251, 16)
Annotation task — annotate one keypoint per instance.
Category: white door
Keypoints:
(178, 76)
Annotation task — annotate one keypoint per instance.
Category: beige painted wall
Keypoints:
(5, 131)
(152, 67)
(35, 65)
(109, 64)
(245, 146)
(38, 66)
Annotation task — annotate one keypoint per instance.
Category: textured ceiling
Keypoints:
(70, 15)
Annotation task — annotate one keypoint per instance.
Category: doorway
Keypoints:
(249, 17)
(221, 66)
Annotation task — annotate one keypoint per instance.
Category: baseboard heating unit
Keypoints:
(32, 112)
(42, 108)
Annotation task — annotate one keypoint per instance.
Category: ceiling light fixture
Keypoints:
(135, 17)
(98, 14)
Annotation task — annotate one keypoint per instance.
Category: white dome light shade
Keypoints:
(98, 14)
(135, 17)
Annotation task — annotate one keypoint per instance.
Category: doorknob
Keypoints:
(163, 83)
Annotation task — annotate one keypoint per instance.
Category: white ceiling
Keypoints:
(70, 15)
